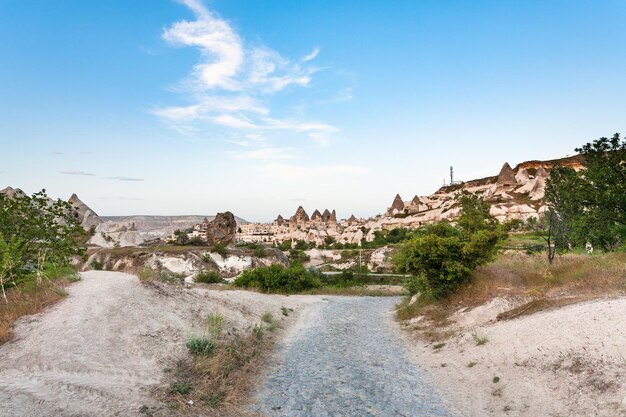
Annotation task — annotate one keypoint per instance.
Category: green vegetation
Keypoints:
(208, 277)
(480, 339)
(277, 278)
(590, 205)
(215, 323)
(201, 345)
(388, 237)
(298, 256)
(285, 245)
(182, 388)
(35, 233)
(221, 367)
(442, 257)
(221, 249)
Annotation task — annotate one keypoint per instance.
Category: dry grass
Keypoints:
(571, 278)
(220, 383)
(26, 301)
(577, 276)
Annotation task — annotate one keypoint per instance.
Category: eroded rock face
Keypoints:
(222, 229)
(85, 216)
(506, 177)
(397, 206)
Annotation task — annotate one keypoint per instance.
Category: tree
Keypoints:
(182, 238)
(592, 202)
(442, 256)
(551, 228)
(34, 232)
(475, 215)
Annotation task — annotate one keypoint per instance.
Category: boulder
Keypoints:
(221, 229)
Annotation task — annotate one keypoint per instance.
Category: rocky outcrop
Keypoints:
(506, 178)
(397, 206)
(316, 216)
(85, 216)
(13, 192)
(222, 229)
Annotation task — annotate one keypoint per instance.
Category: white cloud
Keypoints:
(311, 56)
(234, 122)
(122, 178)
(221, 48)
(81, 173)
(267, 153)
(232, 84)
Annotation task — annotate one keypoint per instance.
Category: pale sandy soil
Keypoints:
(100, 351)
(565, 362)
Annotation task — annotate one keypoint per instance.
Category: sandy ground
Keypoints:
(101, 350)
(565, 362)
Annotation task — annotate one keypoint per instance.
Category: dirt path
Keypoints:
(98, 352)
(345, 359)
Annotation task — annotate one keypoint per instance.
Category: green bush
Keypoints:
(201, 345)
(346, 279)
(285, 245)
(221, 249)
(298, 256)
(259, 251)
(208, 277)
(277, 278)
(442, 257)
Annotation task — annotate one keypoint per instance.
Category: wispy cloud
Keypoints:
(267, 153)
(56, 153)
(122, 178)
(81, 173)
(232, 84)
(309, 57)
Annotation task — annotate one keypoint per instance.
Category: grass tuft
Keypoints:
(201, 345)
(479, 338)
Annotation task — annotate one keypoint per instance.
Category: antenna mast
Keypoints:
(451, 175)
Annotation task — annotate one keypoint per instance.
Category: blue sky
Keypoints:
(166, 107)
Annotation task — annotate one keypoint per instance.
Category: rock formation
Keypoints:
(221, 229)
(506, 178)
(396, 207)
(316, 216)
(85, 216)
(12, 192)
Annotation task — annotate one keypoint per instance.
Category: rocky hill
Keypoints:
(136, 230)
(515, 193)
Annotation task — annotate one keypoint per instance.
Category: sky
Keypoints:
(258, 106)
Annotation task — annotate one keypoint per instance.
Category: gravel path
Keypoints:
(344, 359)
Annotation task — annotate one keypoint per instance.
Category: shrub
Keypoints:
(298, 256)
(259, 251)
(181, 388)
(196, 241)
(285, 245)
(208, 277)
(201, 345)
(442, 256)
(221, 249)
(277, 278)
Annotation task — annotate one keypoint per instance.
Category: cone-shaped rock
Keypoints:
(506, 177)
(85, 216)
